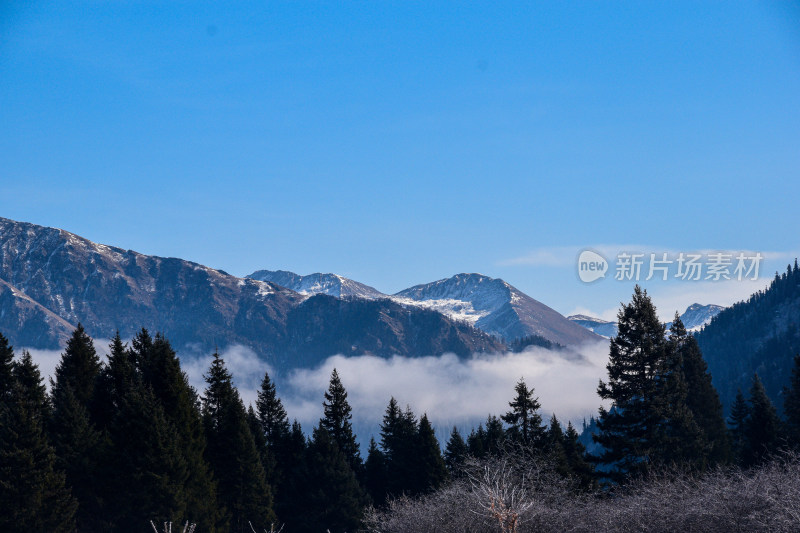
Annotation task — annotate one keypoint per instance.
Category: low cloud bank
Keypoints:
(451, 390)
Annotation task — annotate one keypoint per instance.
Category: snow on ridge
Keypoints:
(460, 310)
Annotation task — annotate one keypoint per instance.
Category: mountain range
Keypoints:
(51, 279)
(489, 304)
(694, 319)
(759, 335)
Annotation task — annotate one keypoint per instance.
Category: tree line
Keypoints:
(117, 443)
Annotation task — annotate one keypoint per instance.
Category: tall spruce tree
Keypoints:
(762, 427)
(580, 468)
(290, 495)
(631, 431)
(398, 439)
(701, 396)
(679, 438)
(333, 499)
(455, 452)
(160, 370)
(77, 442)
(6, 369)
(791, 404)
(375, 476)
(431, 469)
(740, 412)
(524, 420)
(271, 414)
(27, 374)
(150, 472)
(232, 453)
(33, 493)
(337, 422)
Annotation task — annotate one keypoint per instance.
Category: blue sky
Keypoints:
(398, 143)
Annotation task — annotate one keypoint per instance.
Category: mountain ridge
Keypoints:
(109, 289)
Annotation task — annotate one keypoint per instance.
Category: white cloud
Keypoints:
(244, 365)
(451, 390)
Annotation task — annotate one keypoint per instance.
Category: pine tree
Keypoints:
(398, 439)
(495, 436)
(271, 414)
(553, 444)
(78, 368)
(333, 499)
(6, 366)
(232, 453)
(740, 412)
(33, 493)
(26, 373)
(702, 398)
(77, 442)
(455, 452)
(475, 442)
(147, 469)
(277, 435)
(679, 440)
(116, 379)
(260, 440)
(791, 403)
(375, 476)
(628, 431)
(762, 428)
(431, 469)
(337, 422)
(580, 468)
(290, 494)
(161, 371)
(524, 420)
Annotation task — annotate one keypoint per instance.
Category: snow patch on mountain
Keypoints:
(318, 283)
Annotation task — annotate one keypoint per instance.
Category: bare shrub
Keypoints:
(521, 494)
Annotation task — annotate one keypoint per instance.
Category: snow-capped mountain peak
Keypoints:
(318, 283)
(495, 307)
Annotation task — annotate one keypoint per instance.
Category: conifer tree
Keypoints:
(432, 471)
(580, 468)
(455, 452)
(495, 436)
(679, 439)
(333, 499)
(260, 440)
(78, 368)
(628, 431)
(290, 494)
(26, 373)
(375, 476)
(762, 428)
(76, 441)
(161, 371)
(271, 414)
(524, 420)
(33, 493)
(740, 412)
(553, 445)
(6, 367)
(116, 379)
(398, 441)
(701, 397)
(791, 403)
(337, 422)
(149, 469)
(232, 453)
(475, 442)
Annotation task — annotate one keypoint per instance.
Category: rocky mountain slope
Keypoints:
(60, 279)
